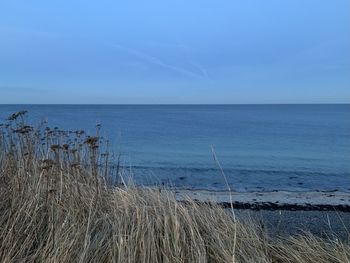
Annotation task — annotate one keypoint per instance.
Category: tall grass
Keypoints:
(61, 200)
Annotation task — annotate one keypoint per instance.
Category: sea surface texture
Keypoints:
(260, 147)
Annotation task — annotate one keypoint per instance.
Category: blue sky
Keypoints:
(271, 51)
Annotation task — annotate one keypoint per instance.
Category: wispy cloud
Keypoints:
(191, 60)
(184, 49)
(157, 61)
(200, 68)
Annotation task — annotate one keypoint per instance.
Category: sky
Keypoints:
(177, 52)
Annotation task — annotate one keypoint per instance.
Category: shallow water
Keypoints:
(260, 147)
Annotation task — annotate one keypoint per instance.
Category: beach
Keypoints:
(62, 200)
(286, 223)
(284, 213)
(277, 200)
(175, 131)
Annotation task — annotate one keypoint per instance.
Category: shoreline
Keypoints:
(276, 200)
(58, 203)
(284, 213)
(285, 223)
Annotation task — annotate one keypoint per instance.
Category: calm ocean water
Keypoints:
(260, 147)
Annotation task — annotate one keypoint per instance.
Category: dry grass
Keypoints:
(60, 203)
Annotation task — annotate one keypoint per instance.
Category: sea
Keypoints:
(297, 147)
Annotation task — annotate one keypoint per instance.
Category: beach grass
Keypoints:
(64, 198)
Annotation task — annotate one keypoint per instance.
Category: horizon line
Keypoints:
(171, 104)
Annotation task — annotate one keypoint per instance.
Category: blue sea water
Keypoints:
(260, 147)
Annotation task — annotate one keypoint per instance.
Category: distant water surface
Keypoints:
(260, 147)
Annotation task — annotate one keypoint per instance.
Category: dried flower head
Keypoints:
(65, 146)
(92, 141)
(47, 164)
(55, 147)
(24, 129)
(15, 115)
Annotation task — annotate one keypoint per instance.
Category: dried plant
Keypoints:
(58, 203)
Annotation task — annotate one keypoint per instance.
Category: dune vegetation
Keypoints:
(65, 198)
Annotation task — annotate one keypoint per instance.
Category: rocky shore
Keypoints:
(277, 200)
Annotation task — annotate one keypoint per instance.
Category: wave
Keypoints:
(240, 179)
(239, 171)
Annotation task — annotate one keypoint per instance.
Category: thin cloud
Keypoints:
(156, 61)
(184, 49)
(200, 68)
(191, 60)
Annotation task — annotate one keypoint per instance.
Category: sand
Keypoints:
(277, 200)
(285, 213)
